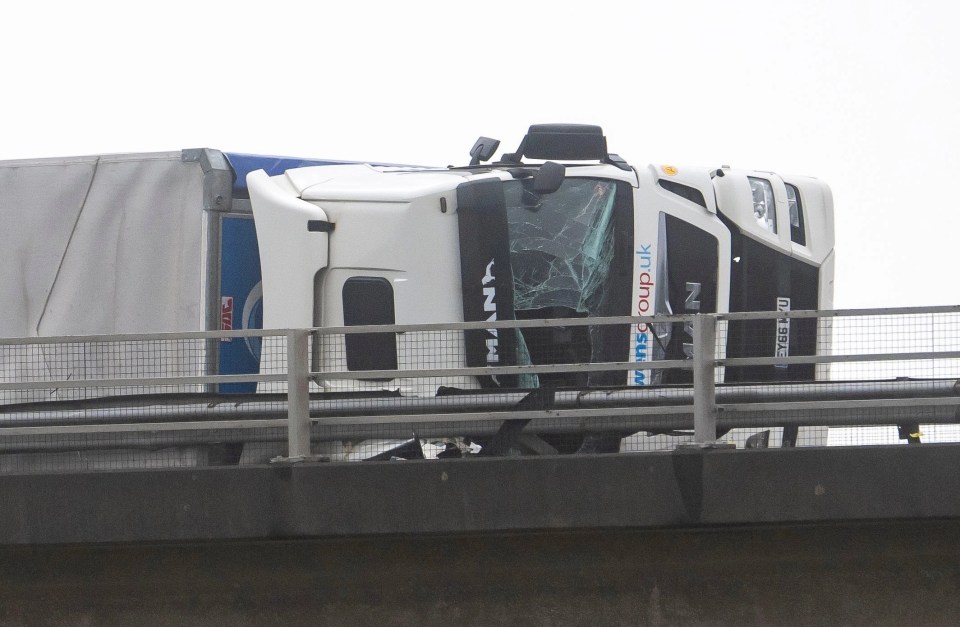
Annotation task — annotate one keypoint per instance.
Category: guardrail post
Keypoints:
(298, 394)
(704, 393)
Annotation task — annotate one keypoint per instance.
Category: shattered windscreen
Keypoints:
(529, 256)
(561, 244)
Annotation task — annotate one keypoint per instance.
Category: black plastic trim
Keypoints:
(369, 300)
(685, 191)
(320, 226)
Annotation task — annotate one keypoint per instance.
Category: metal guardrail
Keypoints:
(702, 406)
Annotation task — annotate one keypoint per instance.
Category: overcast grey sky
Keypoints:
(863, 95)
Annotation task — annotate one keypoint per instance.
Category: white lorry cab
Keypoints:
(560, 228)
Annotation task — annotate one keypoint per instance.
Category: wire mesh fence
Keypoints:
(130, 401)
(538, 386)
(899, 333)
(867, 361)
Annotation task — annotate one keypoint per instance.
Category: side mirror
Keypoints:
(483, 150)
(549, 178)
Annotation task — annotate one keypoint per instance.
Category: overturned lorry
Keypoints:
(590, 237)
(560, 228)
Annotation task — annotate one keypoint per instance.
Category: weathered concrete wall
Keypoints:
(802, 536)
(893, 573)
(686, 488)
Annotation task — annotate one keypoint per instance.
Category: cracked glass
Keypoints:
(561, 244)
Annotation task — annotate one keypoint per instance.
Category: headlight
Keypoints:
(793, 205)
(764, 207)
(795, 208)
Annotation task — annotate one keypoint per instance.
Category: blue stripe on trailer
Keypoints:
(243, 164)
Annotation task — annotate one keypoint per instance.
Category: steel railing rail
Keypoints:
(704, 407)
(252, 406)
